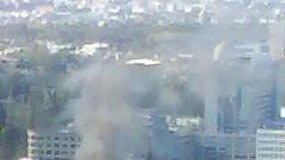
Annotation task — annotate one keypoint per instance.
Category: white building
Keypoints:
(24, 158)
(52, 146)
(270, 142)
(92, 48)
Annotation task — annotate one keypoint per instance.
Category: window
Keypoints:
(49, 152)
(72, 138)
(42, 152)
(33, 144)
(56, 152)
(41, 138)
(64, 153)
(73, 145)
(56, 145)
(65, 138)
(64, 146)
(33, 151)
(48, 138)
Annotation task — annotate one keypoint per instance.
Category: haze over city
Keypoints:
(142, 80)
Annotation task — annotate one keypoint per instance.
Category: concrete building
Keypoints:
(270, 141)
(60, 145)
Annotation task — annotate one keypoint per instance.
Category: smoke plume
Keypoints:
(102, 113)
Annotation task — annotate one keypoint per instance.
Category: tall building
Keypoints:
(258, 90)
(280, 87)
(241, 96)
(211, 110)
(243, 92)
(277, 40)
(229, 112)
(3, 116)
(270, 141)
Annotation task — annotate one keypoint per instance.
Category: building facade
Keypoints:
(60, 145)
(270, 141)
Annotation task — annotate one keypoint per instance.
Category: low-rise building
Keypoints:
(60, 145)
(270, 141)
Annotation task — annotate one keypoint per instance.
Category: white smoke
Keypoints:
(102, 113)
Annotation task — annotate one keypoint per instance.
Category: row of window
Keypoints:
(50, 152)
(274, 156)
(56, 145)
(49, 158)
(274, 136)
(272, 149)
(57, 138)
(272, 142)
(55, 158)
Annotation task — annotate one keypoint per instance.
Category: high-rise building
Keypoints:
(211, 110)
(277, 40)
(3, 116)
(243, 93)
(258, 90)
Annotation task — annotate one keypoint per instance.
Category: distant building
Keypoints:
(257, 93)
(277, 40)
(92, 49)
(241, 102)
(174, 137)
(24, 158)
(143, 62)
(241, 96)
(184, 125)
(226, 147)
(59, 3)
(282, 114)
(3, 116)
(60, 145)
(270, 141)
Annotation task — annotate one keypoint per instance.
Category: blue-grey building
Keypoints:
(245, 90)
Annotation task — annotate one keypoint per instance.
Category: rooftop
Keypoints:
(143, 61)
(274, 124)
